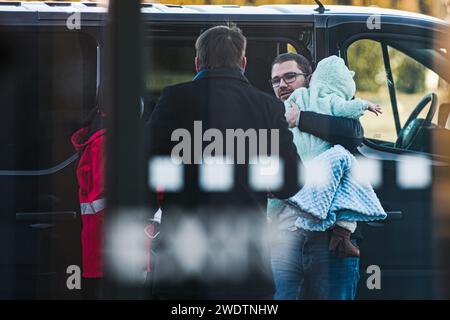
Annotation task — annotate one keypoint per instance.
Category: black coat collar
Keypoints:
(222, 73)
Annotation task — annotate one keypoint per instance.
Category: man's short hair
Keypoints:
(221, 47)
(303, 64)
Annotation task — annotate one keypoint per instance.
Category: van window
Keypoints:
(47, 86)
(169, 62)
(411, 80)
(371, 84)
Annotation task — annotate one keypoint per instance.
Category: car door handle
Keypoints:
(391, 216)
(45, 217)
(41, 226)
(394, 216)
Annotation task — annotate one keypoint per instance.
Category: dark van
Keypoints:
(50, 63)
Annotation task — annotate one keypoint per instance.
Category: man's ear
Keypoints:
(198, 64)
(243, 63)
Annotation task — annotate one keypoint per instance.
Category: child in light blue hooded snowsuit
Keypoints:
(330, 92)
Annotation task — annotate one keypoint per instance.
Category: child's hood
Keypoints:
(333, 77)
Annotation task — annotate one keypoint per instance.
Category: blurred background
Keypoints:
(437, 8)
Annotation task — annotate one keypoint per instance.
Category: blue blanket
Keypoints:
(339, 196)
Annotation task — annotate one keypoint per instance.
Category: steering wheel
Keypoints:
(414, 126)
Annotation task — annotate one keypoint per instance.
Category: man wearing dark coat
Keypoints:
(214, 244)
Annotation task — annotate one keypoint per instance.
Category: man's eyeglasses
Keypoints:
(287, 78)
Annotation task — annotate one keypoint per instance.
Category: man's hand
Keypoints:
(375, 108)
(292, 115)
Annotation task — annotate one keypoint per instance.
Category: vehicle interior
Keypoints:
(169, 59)
(426, 112)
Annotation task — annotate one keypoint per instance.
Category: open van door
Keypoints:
(400, 64)
(47, 86)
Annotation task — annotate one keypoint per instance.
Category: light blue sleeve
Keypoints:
(348, 109)
(299, 97)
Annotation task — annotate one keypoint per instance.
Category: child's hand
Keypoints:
(292, 114)
(375, 108)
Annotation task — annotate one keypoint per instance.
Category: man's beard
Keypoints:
(285, 94)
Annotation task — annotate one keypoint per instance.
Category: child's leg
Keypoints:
(349, 225)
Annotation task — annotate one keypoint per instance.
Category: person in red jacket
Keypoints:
(90, 143)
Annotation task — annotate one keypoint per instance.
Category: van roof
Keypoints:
(155, 8)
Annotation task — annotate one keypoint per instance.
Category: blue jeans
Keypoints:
(305, 269)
